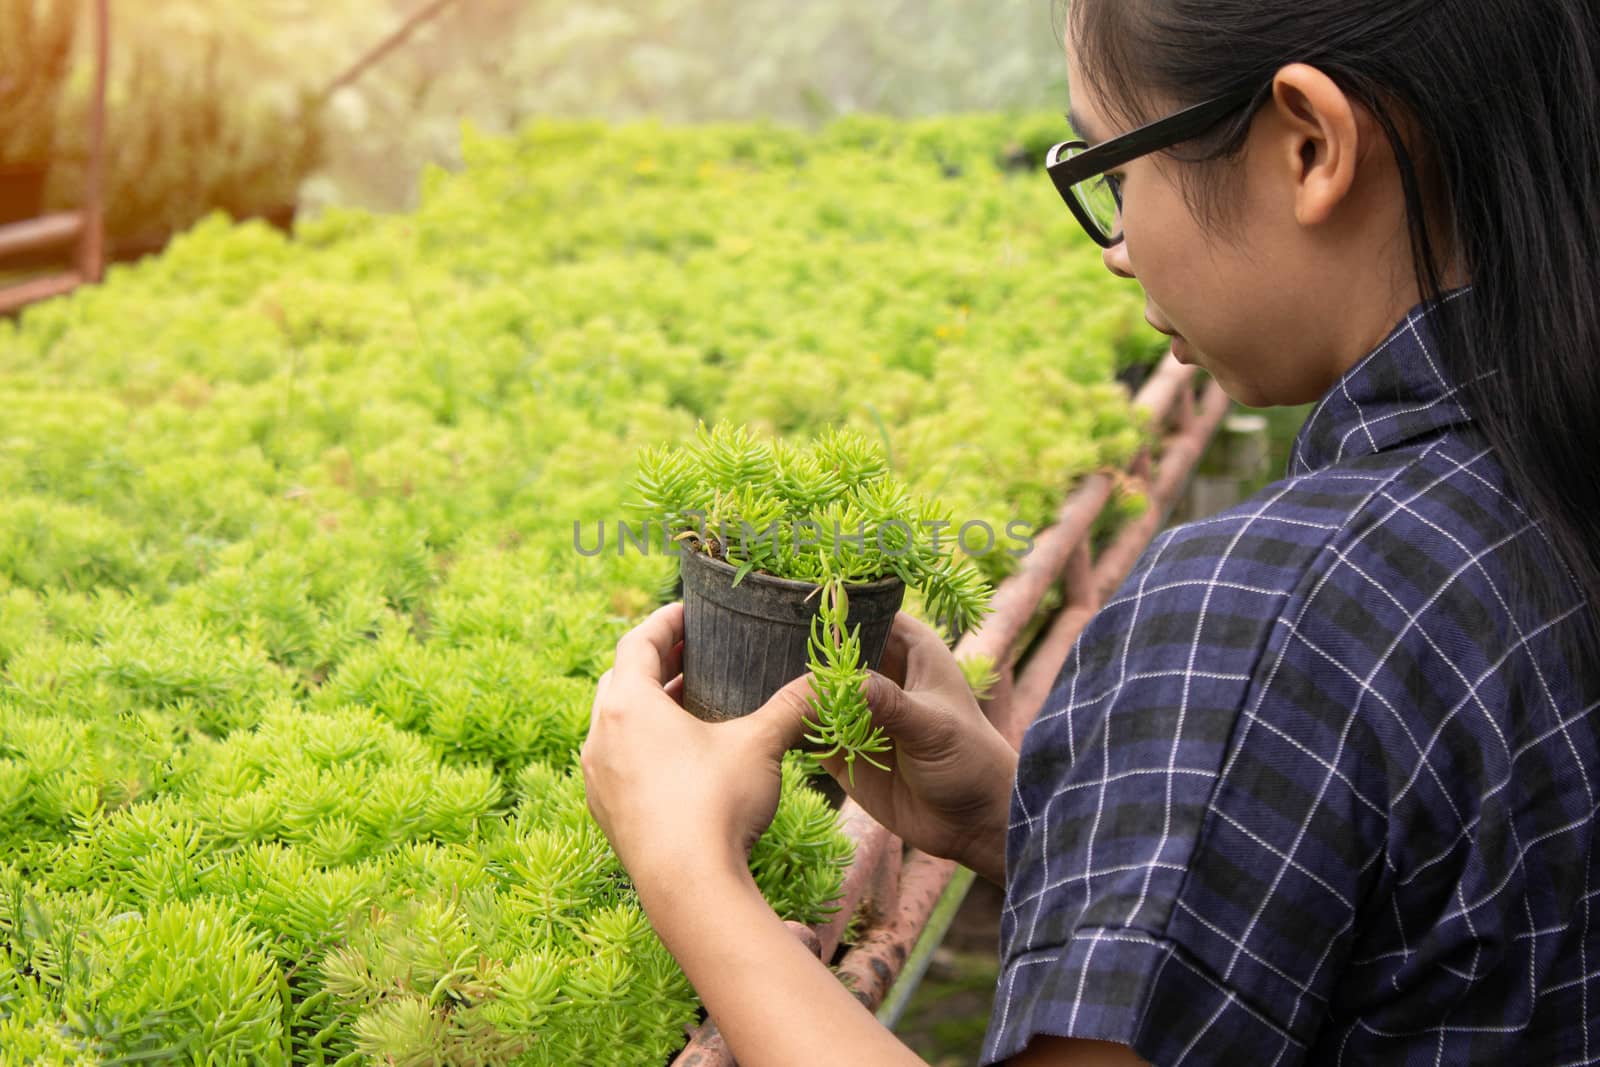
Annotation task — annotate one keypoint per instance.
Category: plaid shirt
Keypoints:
(1318, 784)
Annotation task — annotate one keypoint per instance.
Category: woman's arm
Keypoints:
(682, 801)
(775, 1003)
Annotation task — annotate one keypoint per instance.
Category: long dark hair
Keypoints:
(1500, 101)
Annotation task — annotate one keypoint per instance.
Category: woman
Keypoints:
(1318, 783)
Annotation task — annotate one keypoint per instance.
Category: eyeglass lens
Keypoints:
(1101, 198)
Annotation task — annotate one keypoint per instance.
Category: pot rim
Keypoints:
(789, 583)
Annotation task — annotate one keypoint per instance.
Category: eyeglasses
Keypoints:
(1079, 171)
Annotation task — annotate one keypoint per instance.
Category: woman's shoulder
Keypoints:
(1220, 584)
(1401, 510)
(1366, 567)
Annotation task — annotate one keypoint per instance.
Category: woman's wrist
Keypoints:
(669, 882)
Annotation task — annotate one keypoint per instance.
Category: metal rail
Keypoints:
(904, 892)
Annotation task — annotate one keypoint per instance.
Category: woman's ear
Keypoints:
(1319, 138)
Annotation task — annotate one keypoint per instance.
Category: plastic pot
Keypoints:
(743, 643)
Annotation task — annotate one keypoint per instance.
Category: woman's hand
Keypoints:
(949, 792)
(674, 793)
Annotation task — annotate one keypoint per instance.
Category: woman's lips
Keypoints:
(1180, 347)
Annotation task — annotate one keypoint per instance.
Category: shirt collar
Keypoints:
(1396, 392)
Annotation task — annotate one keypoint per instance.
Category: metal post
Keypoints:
(91, 245)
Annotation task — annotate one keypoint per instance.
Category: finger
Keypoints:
(931, 668)
(888, 702)
(910, 645)
(904, 717)
(675, 689)
(645, 650)
(781, 721)
(864, 773)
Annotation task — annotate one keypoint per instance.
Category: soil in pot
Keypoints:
(743, 643)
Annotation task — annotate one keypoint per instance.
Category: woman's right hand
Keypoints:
(949, 793)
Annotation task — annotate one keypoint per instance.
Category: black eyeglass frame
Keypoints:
(1151, 137)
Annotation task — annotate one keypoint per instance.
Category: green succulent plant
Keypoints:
(830, 513)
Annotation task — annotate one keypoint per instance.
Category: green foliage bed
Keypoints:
(295, 646)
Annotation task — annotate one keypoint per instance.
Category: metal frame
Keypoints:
(85, 227)
(909, 896)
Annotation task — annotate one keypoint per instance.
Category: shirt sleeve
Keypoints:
(1155, 893)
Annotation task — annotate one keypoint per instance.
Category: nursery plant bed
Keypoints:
(909, 896)
(292, 591)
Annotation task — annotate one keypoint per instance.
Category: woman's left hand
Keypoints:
(673, 792)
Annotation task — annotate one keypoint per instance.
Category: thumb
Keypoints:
(891, 706)
(783, 717)
(917, 724)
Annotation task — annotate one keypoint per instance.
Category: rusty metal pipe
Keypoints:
(1180, 457)
(1181, 454)
(872, 843)
(873, 964)
(1020, 595)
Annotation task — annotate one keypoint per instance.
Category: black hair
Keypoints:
(1500, 101)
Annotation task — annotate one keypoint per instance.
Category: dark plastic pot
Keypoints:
(743, 643)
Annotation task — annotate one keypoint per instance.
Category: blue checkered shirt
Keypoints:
(1318, 784)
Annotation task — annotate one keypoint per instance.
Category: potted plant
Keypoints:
(795, 558)
(35, 60)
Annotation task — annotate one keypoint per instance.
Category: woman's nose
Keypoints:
(1116, 260)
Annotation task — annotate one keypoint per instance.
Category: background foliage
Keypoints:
(295, 644)
(219, 105)
(500, 63)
